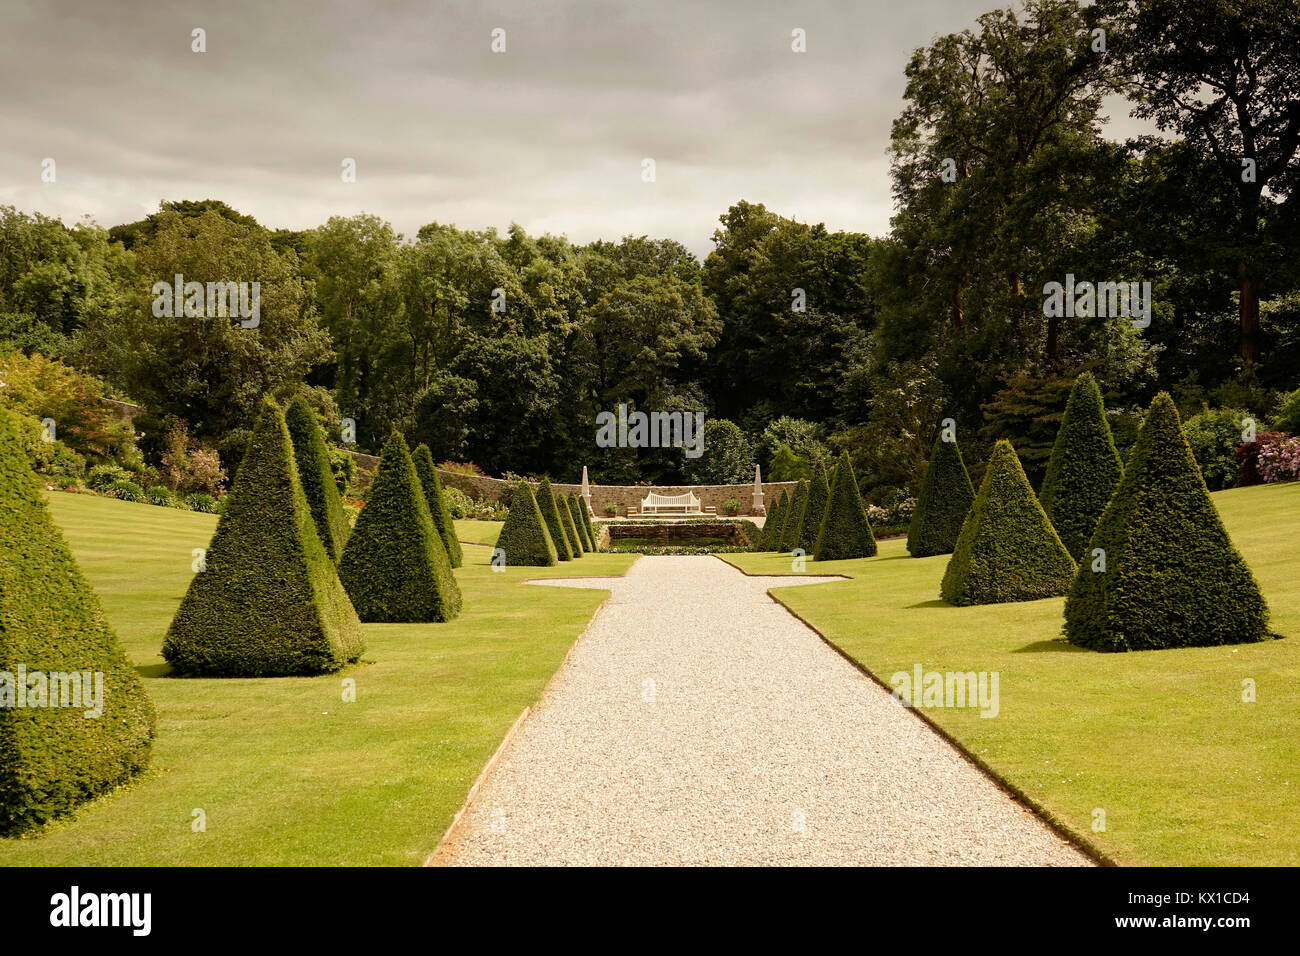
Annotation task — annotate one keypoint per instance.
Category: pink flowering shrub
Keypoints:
(1280, 460)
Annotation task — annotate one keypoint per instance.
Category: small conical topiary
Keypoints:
(845, 531)
(551, 515)
(312, 456)
(570, 526)
(524, 538)
(395, 566)
(55, 640)
(585, 513)
(794, 521)
(437, 501)
(946, 497)
(1084, 469)
(269, 602)
(819, 491)
(1160, 570)
(770, 539)
(577, 509)
(1007, 549)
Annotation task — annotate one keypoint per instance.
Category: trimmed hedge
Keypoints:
(551, 515)
(819, 492)
(576, 509)
(941, 508)
(395, 567)
(524, 537)
(1008, 549)
(570, 526)
(1172, 577)
(317, 477)
(794, 520)
(772, 527)
(845, 531)
(437, 501)
(585, 512)
(52, 759)
(270, 602)
(1084, 469)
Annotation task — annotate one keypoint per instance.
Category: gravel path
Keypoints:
(698, 722)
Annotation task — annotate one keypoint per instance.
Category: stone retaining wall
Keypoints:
(625, 497)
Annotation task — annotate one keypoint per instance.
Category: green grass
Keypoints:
(286, 772)
(1186, 772)
(477, 532)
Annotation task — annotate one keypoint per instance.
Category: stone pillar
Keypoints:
(586, 491)
(756, 499)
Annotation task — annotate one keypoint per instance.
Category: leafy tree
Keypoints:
(727, 458)
(787, 466)
(1214, 435)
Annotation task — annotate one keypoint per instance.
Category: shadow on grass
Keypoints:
(937, 602)
(153, 670)
(1056, 644)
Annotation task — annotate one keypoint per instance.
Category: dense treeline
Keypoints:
(798, 342)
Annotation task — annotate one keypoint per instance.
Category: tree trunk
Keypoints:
(1249, 316)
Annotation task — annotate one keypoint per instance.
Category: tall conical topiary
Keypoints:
(1160, 570)
(570, 526)
(578, 510)
(794, 522)
(312, 456)
(1007, 549)
(585, 513)
(524, 538)
(845, 531)
(437, 501)
(551, 515)
(269, 602)
(54, 639)
(946, 497)
(1084, 469)
(770, 539)
(819, 491)
(395, 566)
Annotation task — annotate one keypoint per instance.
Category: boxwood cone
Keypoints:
(770, 540)
(551, 515)
(570, 526)
(395, 566)
(845, 531)
(427, 472)
(1084, 469)
(1007, 550)
(818, 492)
(945, 498)
(794, 521)
(524, 539)
(269, 602)
(576, 509)
(54, 758)
(1167, 574)
(318, 484)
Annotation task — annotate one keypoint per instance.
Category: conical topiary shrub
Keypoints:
(437, 501)
(312, 456)
(845, 531)
(819, 491)
(54, 639)
(570, 526)
(1167, 574)
(794, 521)
(395, 567)
(1084, 469)
(585, 513)
(1007, 550)
(551, 515)
(770, 539)
(524, 538)
(577, 509)
(269, 602)
(946, 497)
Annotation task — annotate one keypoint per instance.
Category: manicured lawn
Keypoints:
(477, 532)
(1186, 772)
(285, 771)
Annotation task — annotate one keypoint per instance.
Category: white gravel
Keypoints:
(698, 722)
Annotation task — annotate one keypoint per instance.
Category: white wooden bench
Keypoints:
(657, 504)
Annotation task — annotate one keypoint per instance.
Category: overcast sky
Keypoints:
(550, 134)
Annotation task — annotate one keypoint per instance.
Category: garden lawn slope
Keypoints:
(285, 771)
(1186, 772)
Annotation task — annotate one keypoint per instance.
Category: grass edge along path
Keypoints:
(283, 771)
(1182, 768)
